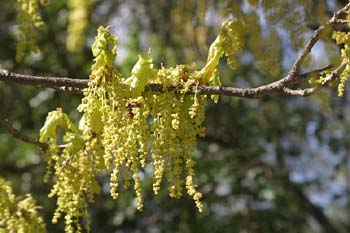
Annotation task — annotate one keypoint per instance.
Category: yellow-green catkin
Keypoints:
(343, 79)
(75, 170)
(19, 212)
(125, 126)
(29, 18)
(343, 39)
(136, 125)
(78, 22)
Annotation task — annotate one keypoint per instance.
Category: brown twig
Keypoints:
(77, 85)
(59, 83)
(298, 92)
(292, 75)
(17, 134)
(335, 73)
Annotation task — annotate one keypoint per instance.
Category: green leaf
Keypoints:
(215, 52)
(232, 34)
(140, 74)
(104, 49)
(228, 42)
(53, 120)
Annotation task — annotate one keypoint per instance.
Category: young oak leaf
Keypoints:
(53, 120)
(232, 33)
(140, 74)
(104, 49)
(228, 42)
(215, 52)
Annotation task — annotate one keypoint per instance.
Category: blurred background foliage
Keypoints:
(274, 164)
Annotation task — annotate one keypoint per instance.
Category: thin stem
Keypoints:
(78, 85)
(17, 134)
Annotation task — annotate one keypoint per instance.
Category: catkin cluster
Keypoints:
(78, 21)
(19, 212)
(75, 170)
(131, 126)
(124, 127)
(29, 18)
(343, 38)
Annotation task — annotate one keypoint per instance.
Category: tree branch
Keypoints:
(292, 75)
(335, 73)
(17, 134)
(77, 85)
(298, 92)
(59, 83)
